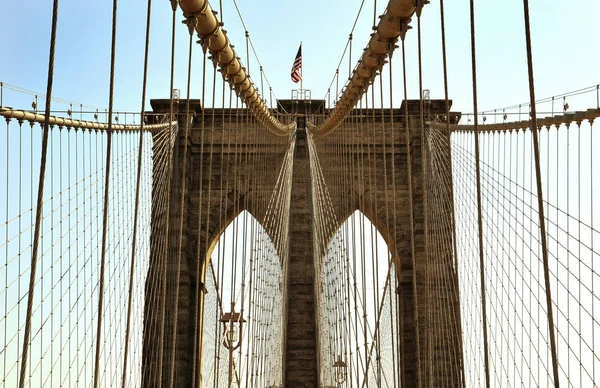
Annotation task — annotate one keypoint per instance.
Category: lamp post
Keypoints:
(233, 339)
(340, 371)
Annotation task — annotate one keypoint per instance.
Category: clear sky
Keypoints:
(564, 39)
(564, 34)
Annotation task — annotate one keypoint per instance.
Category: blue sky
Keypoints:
(563, 39)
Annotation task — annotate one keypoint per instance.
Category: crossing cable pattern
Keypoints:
(372, 61)
(371, 361)
(136, 214)
(231, 158)
(214, 39)
(515, 286)
(39, 204)
(161, 264)
(453, 297)
(336, 268)
(444, 327)
(439, 257)
(55, 335)
(360, 314)
(161, 149)
(65, 312)
(431, 283)
(247, 264)
(258, 361)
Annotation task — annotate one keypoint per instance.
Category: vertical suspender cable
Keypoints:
(225, 143)
(209, 189)
(248, 52)
(40, 202)
(198, 303)
(411, 211)
(479, 210)
(447, 106)
(262, 85)
(337, 83)
(397, 292)
(374, 243)
(424, 164)
(137, 195)
(350, 57)
(362, 238)
(538, 176)
(452, 216)
(387, 212)
(106, 191)
(191, 23)
(168, 204)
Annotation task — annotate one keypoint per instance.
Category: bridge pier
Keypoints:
(301, 351)
(440, 358)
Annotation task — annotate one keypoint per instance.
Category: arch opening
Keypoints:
(358, 310)
(243, 308)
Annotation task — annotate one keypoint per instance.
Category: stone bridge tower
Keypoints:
(301, 349)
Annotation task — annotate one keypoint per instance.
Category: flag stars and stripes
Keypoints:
(297, 67)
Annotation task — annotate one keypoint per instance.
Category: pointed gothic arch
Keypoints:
(369, 211)
(234, 261)
(357, 292)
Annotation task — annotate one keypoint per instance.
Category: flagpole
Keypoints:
(301, 88)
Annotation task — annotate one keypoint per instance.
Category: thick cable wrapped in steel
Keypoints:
(61, 122)
(215, 40)
(373, 59)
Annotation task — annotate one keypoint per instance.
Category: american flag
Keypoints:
(297, 67)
